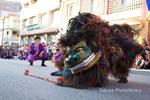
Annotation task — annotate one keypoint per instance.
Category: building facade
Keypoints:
(46, 18)
(39, 18)
(9, 29)
(127, 11)
(71, 8)
(9, 22)
(132, 12)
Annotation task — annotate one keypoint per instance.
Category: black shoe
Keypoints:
(31, 63)
(123, 80)
(43, 65)
(56, 73)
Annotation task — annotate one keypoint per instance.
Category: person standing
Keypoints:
(37, 51)
(49, 50)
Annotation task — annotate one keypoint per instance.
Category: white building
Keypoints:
(39, 18)
(132, 12)
(9, 22)
(9, 29)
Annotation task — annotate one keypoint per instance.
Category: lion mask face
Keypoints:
(80, 58)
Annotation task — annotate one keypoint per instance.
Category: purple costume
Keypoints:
(23, 56)
(58, 55)
(59, 60)
(6, 55)
(35, 51)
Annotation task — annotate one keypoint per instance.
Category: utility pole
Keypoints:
(3, 30)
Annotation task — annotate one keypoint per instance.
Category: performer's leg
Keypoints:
(31, 63)
(123, 77)
(121, 71)
(43, 62)
(31, 59)
(60, 70)
(123, 80)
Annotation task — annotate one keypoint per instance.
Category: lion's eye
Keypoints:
(80, 49)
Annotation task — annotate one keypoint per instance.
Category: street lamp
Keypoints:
(3, 30)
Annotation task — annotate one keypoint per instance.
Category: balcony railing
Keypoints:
(34, 27)
(13, 39)
(115, 7)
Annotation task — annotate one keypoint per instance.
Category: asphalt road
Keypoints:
(14, 85)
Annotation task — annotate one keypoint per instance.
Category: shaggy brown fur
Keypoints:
(116, 43)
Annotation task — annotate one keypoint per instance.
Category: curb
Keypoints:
(143, 70)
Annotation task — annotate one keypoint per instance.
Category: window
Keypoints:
(92, 5)
(32, 20)
(33, 1)
(24, 23)
(26, 5)
(70, 10)
(15, 23)
(1, 24)
(7, 22)
(55, 17)
(14, 32)
(15, 35)
(43, 19)
(7, 32)
(123, 1)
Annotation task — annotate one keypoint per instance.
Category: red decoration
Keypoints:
(59, 80)
(26, 70)
(27, 73)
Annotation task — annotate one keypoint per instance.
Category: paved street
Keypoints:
(14, 85)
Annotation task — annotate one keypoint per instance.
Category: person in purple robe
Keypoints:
(4, 55)
(7, 55)
(58, 60)
(37, 51)
(23, 55)
(26, 54)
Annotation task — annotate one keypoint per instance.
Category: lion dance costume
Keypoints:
(96, 49)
